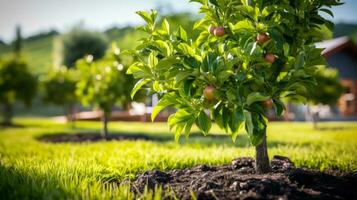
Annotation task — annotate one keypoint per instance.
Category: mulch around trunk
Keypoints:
(238, 180)
(92, 137)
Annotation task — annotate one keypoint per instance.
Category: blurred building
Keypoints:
(341, 53)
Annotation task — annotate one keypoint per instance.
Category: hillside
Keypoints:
(38, 53)
(38, 49)
(343, 29)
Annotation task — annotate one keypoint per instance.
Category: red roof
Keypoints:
(336, 45)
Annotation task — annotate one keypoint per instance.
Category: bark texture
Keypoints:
(262, 164)
(105, 119)
(7, 114)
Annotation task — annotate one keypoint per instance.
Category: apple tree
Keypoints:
(59, 87)
(249, 56)
(17, 84)
(327, 91)
(103, 84)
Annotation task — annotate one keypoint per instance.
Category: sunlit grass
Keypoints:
(32, 169)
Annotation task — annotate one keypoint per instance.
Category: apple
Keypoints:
(270, 58)
(219, 31)
(211, 29)
(208, 92)
(262, 38)
(268, 103)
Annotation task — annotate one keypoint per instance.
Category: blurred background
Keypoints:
(50, 36)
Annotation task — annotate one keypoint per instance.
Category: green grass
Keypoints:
(30, 169)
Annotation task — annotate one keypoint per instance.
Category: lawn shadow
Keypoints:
(97, 137)
(8, 126)
(196, 138)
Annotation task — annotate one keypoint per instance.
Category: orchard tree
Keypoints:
(16, 81)
(59, 88)
(104, 84)
(16, 84)
(78, 43)
(327, 91)
(249, 55)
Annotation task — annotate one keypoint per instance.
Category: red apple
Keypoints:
(208, 92)
(262, 38)
(268, 103)
(219, 31)
(211, 29)
(270, 58)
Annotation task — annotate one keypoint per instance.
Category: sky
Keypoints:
(35, 16)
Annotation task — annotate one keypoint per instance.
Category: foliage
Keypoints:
(60, 86)
(244, 72)
(79, 43)
(16, 81)
(328, 89)
(31, 169)
(17, 44)
(103, 83)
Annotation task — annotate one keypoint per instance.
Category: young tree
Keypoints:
(104, 84)
(17, 44)
(16, 84)
(249, 55)
(327, 91)
(78, 43)
(59, 88)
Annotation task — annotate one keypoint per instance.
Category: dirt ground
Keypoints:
(238, 180)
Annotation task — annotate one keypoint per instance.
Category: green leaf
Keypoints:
(182, 75)
(166, 63)
(148, 17)
(152, 60)
(244, 25)
(255, 97)
(186, 49)
(279, 107)
(165, 101)
(329, 12)
(300, 60)
(181, 33)
(235, 123)
(255, 126)
(182, 119)
(139, 70)
(213, 2)
(166, 27)
(203, 122)
(138, 86)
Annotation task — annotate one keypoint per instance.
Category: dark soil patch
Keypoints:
(239, 181)
(4, 125)
(93, 137)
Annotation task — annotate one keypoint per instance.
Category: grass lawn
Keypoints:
(31, 169)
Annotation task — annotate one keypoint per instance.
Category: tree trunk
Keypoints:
(8, 114)
(315, 119)
(105, 119)
(262, 164)
(70, 114)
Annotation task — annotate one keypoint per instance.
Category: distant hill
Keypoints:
(38, 48)
(343, 29)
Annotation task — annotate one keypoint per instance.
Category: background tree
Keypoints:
(249, 55)
(78, 43)
(17, 44)
(59, 88)
(327, 91)
(16, 84)
(104, 84)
